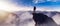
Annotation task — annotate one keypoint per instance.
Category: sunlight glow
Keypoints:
(5, 6)
(3, 16)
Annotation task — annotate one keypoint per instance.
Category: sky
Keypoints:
(25, 5)
(48, 4)
(37, 2)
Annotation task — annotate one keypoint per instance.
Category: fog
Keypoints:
(24, 18)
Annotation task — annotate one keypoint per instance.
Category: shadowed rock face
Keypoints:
(39, 17)
(43, 20)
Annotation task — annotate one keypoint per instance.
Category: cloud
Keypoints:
(26, 19)
(38, 1)
(11, 7)
(42, 1)
(56, 18)
(53, 0)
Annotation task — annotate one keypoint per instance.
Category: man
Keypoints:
(42, 20)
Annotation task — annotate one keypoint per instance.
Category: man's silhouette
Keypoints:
(40, 18)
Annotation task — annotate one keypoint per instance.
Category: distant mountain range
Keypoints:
(48, 13)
